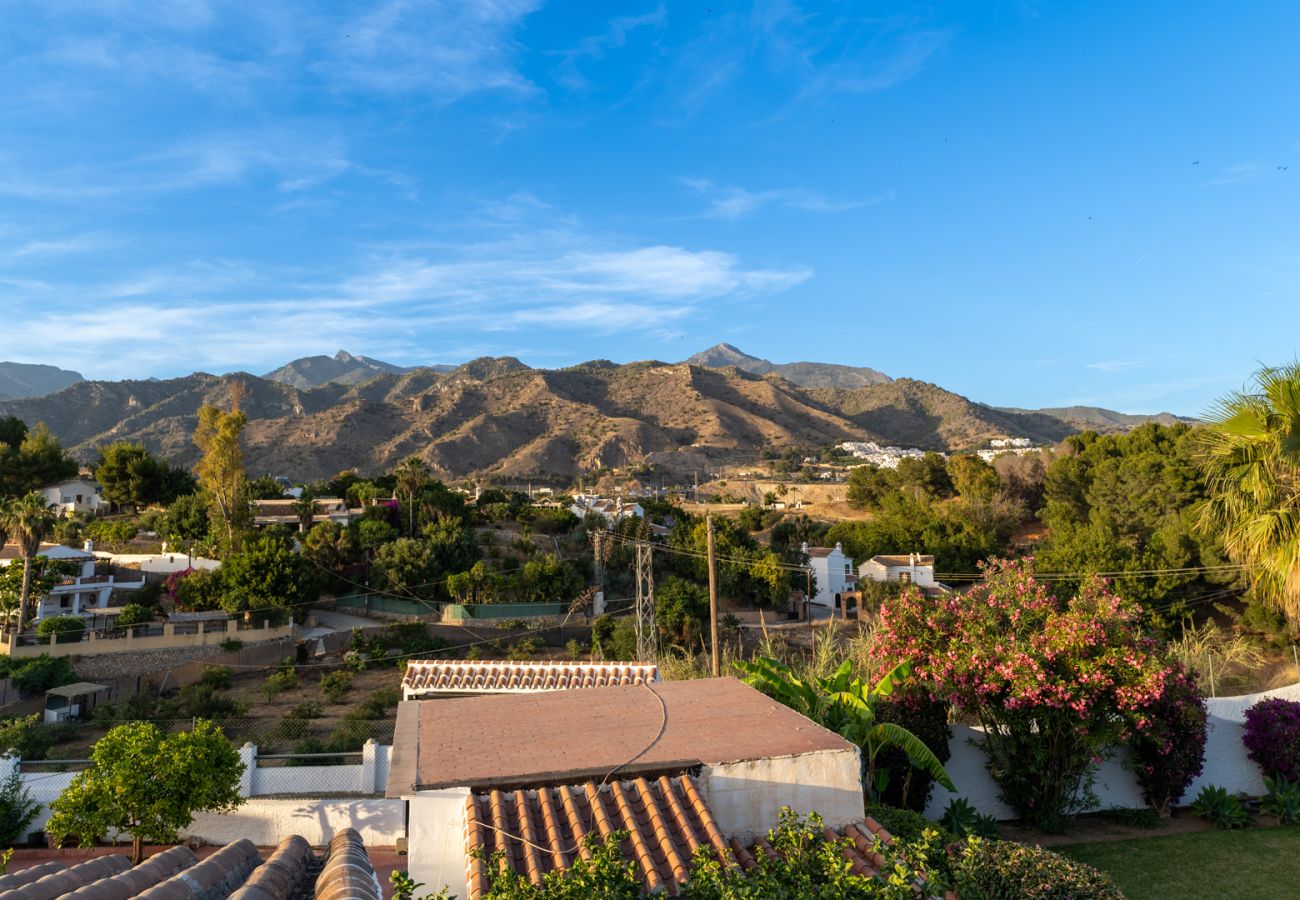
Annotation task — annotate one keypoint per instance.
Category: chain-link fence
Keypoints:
(74, 740)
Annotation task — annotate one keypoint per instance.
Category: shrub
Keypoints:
(291, 728)
(385, 697)
(1052, 681)
(1216, 806)
(914, 708)
(231, 645)
(1282, 800)
(308, 709)
(964, 820)
(17, 809)
(1003, 870)
(134, 614)
(278, 682)
(68, 629)
(36, 676)
(1272, 737)
(573, 650)
(905, 824)
(349, 737)
(26, 736)
(335, 685)
(217, 677)
(1167, 746)
(203, 701)
(524, 648)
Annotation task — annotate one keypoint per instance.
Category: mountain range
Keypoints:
(498, 417)
(19, 380)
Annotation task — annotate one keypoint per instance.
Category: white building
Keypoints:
(76, 495)
(725, 761)
(282, 512)
(912, 568)
(614, 511)
(83, 594)
(832, 570)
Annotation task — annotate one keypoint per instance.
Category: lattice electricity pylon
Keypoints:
(647, 642)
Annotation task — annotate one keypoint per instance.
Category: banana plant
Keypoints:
(846, 705)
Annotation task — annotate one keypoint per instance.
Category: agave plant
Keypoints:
(845, 704)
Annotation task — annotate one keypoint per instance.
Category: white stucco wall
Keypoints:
(746, 797)
(436, 843)
(1226, 763)
(267, 821)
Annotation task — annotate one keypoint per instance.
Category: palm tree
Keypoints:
(304, 507)
(1251, 458)
(847, 706)
(412, 474)
(6, 504)
(28, 519)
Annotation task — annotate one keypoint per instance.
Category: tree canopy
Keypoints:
(148, 784)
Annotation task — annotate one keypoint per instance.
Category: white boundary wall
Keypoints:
(283, 800)
(1226, 763)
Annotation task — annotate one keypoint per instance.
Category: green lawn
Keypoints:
(1252, 862)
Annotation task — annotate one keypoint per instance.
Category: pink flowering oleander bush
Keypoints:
(1272, 737)
(1055, 682)
(1167, 750)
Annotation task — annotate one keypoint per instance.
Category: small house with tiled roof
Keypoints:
(832, 572)
(676, 764)
(909, 568)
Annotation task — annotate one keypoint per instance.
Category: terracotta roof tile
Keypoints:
(282, 875)
(348, 873)
(56, 884)
(573, 736)
(217, 876)
(133, 882)
(901, 559)
(545, 830)
(435, 676)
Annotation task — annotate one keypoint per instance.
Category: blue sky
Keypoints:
(1029, 203)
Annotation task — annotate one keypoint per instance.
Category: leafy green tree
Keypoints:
(549, 579)
(68, 629)
(128, 474)
(1127, 503)
(1251, 454)
(867, 485)
(407, 566)
(304, 507)
(12, 432)
(37, 460)
(221, 469)
(186, 519)
(453, 544)
(173, 482)
(265, 487)
(481, 584)
(266, 577)
(134, 614)
(148, 784)
(27, 520)
(924, 477)
(681, 609)
(328, 545)
(973, 478)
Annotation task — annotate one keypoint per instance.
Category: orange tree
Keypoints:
(1053, 681)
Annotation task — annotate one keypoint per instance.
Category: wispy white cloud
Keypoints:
(502, 273)
(596, 46)
(732, 202)
(1117, 365)
(446, 48)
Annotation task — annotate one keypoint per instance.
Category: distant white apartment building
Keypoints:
(832, 570)
(882, 457)
(76, 495)
(1009, 443)
(912, 567)
(615, 510)
(83, 594)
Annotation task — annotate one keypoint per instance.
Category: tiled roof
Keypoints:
(348, 873)
(902, 559)
(863, 859)
(559, 737)
(434, 676)
(545, 830)
(820, 552)
(235, 871)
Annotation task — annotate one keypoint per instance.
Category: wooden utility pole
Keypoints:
(713, 597)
